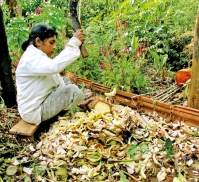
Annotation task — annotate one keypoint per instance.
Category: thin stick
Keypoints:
(161, 93)
(166, 97)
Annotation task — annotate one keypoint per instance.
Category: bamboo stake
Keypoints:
(168, 95)
(164, 91)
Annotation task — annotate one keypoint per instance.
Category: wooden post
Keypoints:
(193, 99)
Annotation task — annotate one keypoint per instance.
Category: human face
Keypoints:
(47, 46)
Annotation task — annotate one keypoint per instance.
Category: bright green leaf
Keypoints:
(27, 179)
(123, 177)
(134, 44)
(132, 149)
(168, 147)
(155, 56)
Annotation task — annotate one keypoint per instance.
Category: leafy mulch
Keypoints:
(16, 153)
(14, 148)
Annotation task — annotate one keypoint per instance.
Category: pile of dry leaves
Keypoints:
(116, 145)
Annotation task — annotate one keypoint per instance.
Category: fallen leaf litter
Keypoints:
(118, 146)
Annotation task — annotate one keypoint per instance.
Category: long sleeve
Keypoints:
(36, 63)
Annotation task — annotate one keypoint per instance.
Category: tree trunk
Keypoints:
(76, 24)
(6, 79)
(193, 99)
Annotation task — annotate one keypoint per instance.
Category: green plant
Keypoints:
(87, 67)
(6, 13)
(60, 3)
(110, 28)
(125, 75)
(2, 103)
(185, 90)
(159, 62)
(168, 147)
(17, 29)
(142, 148)
(110, 60)
(28, 7)
(123, 177)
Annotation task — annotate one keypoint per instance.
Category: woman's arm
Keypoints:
(36, 63)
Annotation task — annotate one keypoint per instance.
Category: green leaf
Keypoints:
(118, 77)
(193, 133)
(27, 179)
(156, 57)
(123, 177)
(39, 170)
(143, 148)
(181, 177)
(11, 170)
(2, 159)
(132, 2)
(128, 80)
(134, 44)
(169, 148)
(163, 59)
(1, 180)
(113, 143)
(132, 149)
(61, 173)
(128, 88)
(2, 103)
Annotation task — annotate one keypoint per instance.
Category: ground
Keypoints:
(15, 146)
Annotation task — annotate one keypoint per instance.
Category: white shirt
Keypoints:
(37, 76)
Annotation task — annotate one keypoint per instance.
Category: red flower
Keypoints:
(101, 50)
(102, 65)
(111, 67)
(37, 10)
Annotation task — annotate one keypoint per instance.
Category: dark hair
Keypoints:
(42, 31)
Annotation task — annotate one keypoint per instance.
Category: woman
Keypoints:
(41, 92)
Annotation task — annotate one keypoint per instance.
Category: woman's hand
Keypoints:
(80, 35)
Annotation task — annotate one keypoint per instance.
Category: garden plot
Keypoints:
(121, 145)
(123, 137)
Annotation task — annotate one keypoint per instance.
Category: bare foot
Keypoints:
(84, 104)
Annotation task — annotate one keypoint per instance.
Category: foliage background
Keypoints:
(119, 33)
(152, 29)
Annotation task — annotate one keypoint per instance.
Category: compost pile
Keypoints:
(121, 145)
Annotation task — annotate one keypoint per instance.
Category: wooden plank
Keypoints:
(23, 128)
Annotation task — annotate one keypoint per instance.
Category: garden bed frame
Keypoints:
(172, 113)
